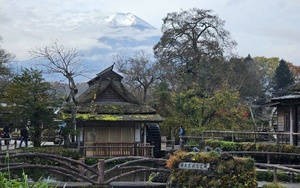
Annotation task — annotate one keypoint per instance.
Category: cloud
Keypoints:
(268, 27)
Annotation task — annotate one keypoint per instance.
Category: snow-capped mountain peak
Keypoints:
(127, 20)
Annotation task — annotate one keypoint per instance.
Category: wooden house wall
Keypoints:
(280, 119)
(109, 134)
(283, 113)
(112, 135)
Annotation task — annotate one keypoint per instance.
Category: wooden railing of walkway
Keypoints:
(253, 136)
(275, 167)
(76, 170)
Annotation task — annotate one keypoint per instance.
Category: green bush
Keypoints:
(5, 181)
(273, 185)
(192, 143)
(264, 176)
(246, 146)
(224, 170)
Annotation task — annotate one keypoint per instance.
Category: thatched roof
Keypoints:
(104, 74)
(107, 99)
(99, 86)
(115, 108)
(118, 117)
(295, 87)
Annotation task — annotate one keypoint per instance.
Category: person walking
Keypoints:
(181, 135)
(6, 134)
(24, 136)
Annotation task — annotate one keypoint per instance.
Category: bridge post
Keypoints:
(101, 171)
(82, 170)
(275, 175)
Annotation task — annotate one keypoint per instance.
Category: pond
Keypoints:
(38, 175)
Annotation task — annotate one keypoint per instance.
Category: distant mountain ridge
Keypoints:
(119, 32)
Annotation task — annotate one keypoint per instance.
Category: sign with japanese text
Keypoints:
(194, 166)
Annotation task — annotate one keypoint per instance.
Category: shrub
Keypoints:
(224, 170)
(5, 181)
(273, 185)
(245, 146)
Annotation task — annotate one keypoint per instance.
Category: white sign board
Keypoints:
(194, 166)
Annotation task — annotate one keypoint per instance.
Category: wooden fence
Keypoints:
(249, 136)
(118, 149)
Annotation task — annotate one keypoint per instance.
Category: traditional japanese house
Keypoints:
(288, 118)
(113, 122)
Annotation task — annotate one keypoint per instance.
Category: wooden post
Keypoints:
(7, 143)
(275, 175)
(291, 126)
(101, 171)
(152, 151)
(254, 137)
(173, 142)
(82, 171)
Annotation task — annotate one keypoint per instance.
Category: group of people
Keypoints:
(23, 133)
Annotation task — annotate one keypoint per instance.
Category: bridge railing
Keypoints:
(9, 143)
(275, 167)
(118, 149)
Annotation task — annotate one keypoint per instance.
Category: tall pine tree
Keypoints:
(283, 78)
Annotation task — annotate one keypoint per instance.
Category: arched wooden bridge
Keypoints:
(76, 170)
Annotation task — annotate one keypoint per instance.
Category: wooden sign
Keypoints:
(194, 166)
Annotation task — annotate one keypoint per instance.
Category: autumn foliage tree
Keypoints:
(221, 110)
(192, 57)
(190, 40)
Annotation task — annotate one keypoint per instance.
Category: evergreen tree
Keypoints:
(33, 100)
(283, 78)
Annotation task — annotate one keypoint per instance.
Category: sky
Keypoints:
(269, 28)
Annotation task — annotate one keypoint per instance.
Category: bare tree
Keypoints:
(58, 59)
(140, 71)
